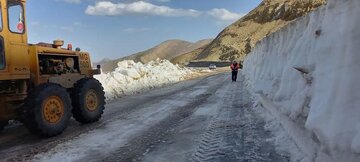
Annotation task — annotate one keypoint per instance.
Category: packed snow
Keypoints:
(309, 71)
(208, 119)
(131, 78)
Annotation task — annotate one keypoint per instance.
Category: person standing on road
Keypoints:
(235, 68)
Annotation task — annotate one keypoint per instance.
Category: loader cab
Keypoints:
(14, 57)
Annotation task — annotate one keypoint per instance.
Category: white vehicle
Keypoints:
(212, 67)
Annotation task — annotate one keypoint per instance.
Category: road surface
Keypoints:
(206, 119)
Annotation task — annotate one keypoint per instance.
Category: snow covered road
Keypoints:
(208, 119)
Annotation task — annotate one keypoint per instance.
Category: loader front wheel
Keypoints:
(47, 110)
(3, 125)
(88, 100)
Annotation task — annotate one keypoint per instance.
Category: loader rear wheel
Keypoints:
(47, 110)
(88, 100)
(3, 125)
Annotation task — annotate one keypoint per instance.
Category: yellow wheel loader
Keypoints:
(43, 85)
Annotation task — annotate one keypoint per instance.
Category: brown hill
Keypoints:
(166, 50)
(234, 42)
(187, 57)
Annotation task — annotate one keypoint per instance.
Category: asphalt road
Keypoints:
(206, 119)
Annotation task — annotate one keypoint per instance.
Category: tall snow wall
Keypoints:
(310, 70)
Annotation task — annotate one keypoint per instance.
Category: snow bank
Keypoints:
(131, 77)
(311, 71)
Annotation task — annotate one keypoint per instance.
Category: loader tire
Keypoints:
(88, 100)
(47, 110)
(3, 125)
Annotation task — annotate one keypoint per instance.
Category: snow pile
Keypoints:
(284, 144)
(131, 77)
(310, 70)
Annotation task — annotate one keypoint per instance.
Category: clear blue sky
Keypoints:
(116, 28)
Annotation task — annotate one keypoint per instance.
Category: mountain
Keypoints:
(237, 40)
(166, 50)
(187, 57)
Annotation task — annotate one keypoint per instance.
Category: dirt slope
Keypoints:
(166, 50)
(236, 41)
(187, 57)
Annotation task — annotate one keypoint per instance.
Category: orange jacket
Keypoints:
(235, 67)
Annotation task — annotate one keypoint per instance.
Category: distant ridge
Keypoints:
(166, 50)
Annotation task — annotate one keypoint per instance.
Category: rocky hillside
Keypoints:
(187, 57)
(237, 40)
(166, 50)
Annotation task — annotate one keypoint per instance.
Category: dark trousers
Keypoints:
(234, 75)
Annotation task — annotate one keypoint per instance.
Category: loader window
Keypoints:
(16, 18)
(2, 54)
(1, 27)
